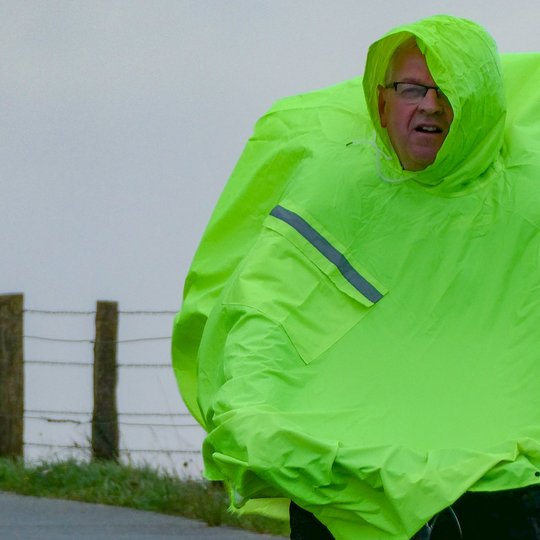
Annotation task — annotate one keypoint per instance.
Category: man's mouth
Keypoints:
(425, 128)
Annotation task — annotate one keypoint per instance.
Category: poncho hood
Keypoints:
(451, 46)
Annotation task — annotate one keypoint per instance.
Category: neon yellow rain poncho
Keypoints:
(362, 339)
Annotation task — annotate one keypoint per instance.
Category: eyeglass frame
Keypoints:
(438, 91)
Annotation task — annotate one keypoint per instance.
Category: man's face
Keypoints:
(416, 130)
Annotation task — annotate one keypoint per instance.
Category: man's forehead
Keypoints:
(408, 63)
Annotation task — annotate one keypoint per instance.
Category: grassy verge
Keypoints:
(121, 485)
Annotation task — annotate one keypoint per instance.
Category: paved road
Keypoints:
(33, 518)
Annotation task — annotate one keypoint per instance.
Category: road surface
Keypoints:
(34, 518)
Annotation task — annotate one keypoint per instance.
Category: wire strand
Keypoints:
(57, 312)
(66, 340)
(131, 413)
(90, 364)
(86, 422)
(59, 363)
(60, 340)
(121, 450)
(65, 312)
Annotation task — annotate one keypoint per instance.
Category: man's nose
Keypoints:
(431, 102)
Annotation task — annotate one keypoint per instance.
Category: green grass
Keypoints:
(136, 487)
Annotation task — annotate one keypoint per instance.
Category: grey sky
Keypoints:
(121, 121)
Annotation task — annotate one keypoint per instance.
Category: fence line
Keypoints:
(130, 419)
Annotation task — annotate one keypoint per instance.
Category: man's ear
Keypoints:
(381, 97)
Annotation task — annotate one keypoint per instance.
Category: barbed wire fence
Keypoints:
(177, 427)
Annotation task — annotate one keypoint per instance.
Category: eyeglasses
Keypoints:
(414, 93)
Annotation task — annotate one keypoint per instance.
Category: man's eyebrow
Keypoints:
(414, 80)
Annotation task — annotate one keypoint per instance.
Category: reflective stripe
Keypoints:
(329, 251)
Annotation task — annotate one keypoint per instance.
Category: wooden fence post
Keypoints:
(11, 376)
(105, 415)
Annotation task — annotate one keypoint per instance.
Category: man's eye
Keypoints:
(410, 91)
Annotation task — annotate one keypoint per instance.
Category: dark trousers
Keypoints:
(305, 526)
(501, 515)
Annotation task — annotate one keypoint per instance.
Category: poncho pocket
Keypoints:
(332, 290)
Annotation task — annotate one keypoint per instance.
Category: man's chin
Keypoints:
(418, 164)
(420, 159)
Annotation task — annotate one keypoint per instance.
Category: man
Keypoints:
(372, 356)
